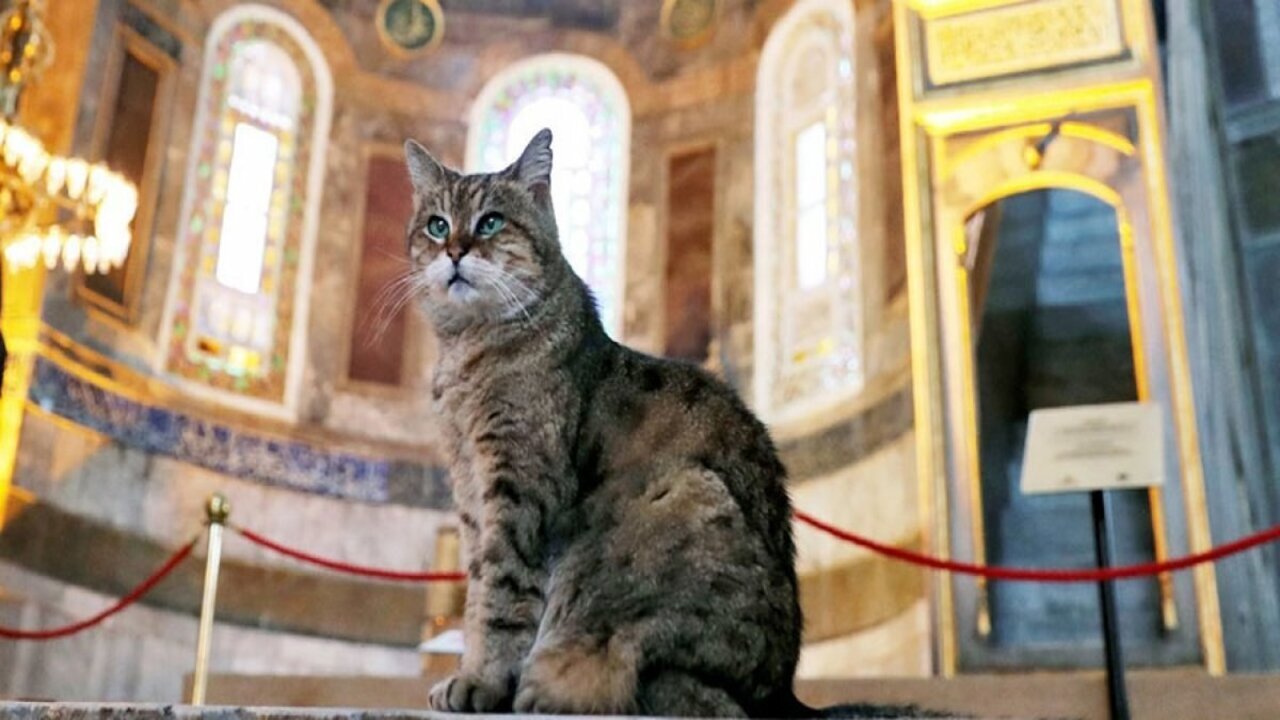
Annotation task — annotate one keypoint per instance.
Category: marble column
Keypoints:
(1235, 463)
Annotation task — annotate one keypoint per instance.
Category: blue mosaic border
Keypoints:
(214, 446)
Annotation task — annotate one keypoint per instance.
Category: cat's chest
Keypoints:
(451, 385)
(487, 396)
(462, 394)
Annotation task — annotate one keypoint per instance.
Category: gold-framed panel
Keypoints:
(1138, 346)
(1007, 40)
(1150, 122)
(1134, 196)
(925, 357)
(930, 9)
(129, 42)
(929, 119)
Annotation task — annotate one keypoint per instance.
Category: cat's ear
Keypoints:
(533, 169)
(425, 172)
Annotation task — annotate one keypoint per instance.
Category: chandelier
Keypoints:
(53, 209)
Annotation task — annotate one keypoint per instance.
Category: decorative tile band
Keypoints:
(304, 467)
(211, 445)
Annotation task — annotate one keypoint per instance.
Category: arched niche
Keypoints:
(1098, 156)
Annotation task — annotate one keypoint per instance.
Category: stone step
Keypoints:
(1071, 231)
(1079, 322)
(1079, 288)
(1170, 694)
(1081, 250)
(1069, 202)
(89, 711)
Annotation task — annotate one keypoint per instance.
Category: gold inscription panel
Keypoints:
(1020, 38)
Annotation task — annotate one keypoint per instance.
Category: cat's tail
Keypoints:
(789, 706)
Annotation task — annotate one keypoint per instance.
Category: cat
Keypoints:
(625, 518)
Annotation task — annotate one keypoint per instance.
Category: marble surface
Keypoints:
(88, 711)
(876, 497)
(143, 653)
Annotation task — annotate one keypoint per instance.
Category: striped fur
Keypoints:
(625, 517)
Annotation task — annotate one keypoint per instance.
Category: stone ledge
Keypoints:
(95, 711)
(1166, 694)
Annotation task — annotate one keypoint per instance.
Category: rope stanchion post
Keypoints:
(1104, 551)
(216, 511)
(444, 603)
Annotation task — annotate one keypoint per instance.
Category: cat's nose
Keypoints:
(455, 251)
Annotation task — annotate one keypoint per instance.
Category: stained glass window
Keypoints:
(808, 305)
(587, 111)
(247, 228)
(811, 205)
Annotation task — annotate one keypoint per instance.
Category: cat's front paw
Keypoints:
(575, 680)
(469, 693)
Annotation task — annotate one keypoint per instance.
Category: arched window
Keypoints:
(808, 316)
(237, 306)
(587, 110)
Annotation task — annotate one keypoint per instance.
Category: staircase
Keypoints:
(1055, 332)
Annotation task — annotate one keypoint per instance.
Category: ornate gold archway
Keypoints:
(999, 98)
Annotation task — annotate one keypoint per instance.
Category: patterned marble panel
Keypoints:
(212, 445)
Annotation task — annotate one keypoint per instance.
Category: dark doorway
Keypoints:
(1050, 327)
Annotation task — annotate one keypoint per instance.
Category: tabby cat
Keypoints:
(626, 520)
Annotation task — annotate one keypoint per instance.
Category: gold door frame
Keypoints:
(967, 374)
(1094, 128)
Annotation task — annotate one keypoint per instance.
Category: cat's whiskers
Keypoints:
(392, 299)
(404, 278)
(381, 303)
(512, 302)
(502, 281)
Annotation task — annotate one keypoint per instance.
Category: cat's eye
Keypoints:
(437, 228)
(490, 223)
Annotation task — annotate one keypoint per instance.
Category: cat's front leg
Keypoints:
(506, 574)
(471, 690)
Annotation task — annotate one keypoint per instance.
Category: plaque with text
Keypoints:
(1020, 38)
(1093, 447)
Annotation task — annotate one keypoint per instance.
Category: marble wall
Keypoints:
(100, 447)
(143, 654)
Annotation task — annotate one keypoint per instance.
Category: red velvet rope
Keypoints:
(991, 572)
(349, 568)
(994, 573)
(134, 595)
(1054, 575)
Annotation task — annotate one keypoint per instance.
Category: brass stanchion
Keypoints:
(444, 604)
(216, 511)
